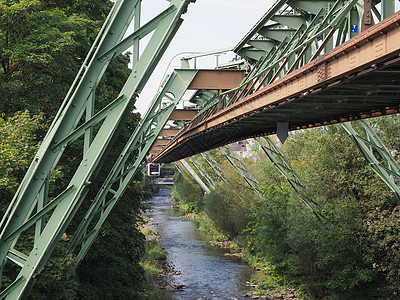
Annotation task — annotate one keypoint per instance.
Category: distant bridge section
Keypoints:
(356, 80)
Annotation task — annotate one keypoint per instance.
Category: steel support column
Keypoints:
(23, 213)
(283, 165)
(121, 174)
(196, 177)
(202, 171)
(376, 154)
(242, 169)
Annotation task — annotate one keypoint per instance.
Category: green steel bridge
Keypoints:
(304, 64)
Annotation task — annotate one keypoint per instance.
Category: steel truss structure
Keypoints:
(184, 164)
(293, 33)
(33, 210)
(280, 162)
(301, 65)
(376, 154)
(290, 35)
(235, 160)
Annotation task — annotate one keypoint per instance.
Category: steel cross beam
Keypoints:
(284, 166)
(242, 169)
(288, 40)
(214, 165)
(138, 146)
(196, 177)
(202, 171)
(30, 207)
(376, 154)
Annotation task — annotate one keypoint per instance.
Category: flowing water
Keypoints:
(205, 272)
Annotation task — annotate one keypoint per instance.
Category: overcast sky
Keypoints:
(208, 25)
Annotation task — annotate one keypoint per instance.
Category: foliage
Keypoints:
(41, 50)
(354, 253)
(153, 263)
(42, 46)
(18, 145)
(227, 210)
(187, 193)
(115, 255)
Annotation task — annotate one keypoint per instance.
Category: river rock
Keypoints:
(248, 295)
(174, 288)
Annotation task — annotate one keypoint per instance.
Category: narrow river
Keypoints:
(205, 272)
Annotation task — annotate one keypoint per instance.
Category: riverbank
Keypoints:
(264, 283)
(201, 270)
(154, 264)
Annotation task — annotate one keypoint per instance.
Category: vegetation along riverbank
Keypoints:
(352, 254)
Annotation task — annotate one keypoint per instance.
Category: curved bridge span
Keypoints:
(356, 80)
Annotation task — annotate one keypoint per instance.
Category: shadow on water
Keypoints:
(205, 272)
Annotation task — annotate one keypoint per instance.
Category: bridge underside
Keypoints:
(369, 93)
(358, 79)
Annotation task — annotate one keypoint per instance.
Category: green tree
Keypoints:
(42, 46)
(18, 143)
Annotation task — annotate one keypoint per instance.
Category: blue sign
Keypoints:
(354, 28)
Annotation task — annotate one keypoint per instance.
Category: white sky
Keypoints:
(208, 25)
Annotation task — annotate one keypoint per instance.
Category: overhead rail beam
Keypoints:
(369, 60)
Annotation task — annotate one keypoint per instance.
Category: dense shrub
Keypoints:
(354, 253)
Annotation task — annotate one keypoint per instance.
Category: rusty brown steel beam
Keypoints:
(161, 142)
(216, 79)
(361, 55)
(155, 149)
(183, 114)
(169, 132)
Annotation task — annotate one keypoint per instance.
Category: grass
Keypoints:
(153, 263)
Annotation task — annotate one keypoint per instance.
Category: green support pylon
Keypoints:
(242, 169)
(196, 177)
(199, 167)
(51, 219)
(208, 158)
(283, 165)
(121, 174)
(376, 154)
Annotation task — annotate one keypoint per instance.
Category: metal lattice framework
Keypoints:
(308, 66)
(235, 160)
(32, 210)
(210, 160)
(376, 154)
(199, 167)
(290, 35)
(284, 166)
(184, 164)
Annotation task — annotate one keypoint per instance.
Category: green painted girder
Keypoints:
(302, 40)
(202, 97)
(311, 6)
(284, 166)
(376, 154)
(278, 35)
(208, 158)
(235, 160)
(263, 45)
(25, 211)
(292, 21)
(260, 24)
(121, 174)
(199, 167)
(185, 164)
(251, 53)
